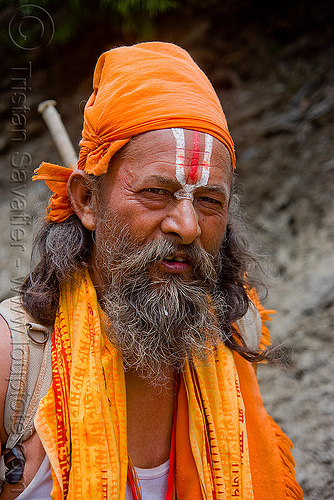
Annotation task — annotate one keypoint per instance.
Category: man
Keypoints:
(144, 275)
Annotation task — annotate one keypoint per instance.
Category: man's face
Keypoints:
(162, 216)
(170, 184)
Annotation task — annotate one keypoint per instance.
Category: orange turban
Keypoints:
(149, 86)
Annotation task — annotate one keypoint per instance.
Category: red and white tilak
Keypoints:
(187, 189)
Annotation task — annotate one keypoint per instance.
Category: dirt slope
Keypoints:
(276, 87)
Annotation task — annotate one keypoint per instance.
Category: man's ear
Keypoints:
(80, 192)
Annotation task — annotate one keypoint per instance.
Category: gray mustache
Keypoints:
(204, 265)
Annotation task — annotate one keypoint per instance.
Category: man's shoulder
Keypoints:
(250, 327)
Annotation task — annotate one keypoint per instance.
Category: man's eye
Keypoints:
(158, 191)
(207, 199)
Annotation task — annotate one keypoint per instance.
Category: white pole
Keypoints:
(58, 132)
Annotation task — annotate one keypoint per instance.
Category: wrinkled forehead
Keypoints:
(193, 146)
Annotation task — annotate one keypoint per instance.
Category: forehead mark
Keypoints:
(180, 155)
(195, 157)
(187, 190)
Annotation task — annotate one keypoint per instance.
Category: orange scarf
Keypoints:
(226, 445)
(148, 86)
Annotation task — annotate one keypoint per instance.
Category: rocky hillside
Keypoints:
(274, 74)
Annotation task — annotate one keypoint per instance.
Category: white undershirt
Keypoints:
(153, 483)
(41, 485)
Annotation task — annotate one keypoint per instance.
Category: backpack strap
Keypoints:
(250, 327)
(29, 381)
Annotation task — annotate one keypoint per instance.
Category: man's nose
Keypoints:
(182, 221)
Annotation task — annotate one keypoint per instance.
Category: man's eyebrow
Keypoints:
(216, 188)
(165, 181)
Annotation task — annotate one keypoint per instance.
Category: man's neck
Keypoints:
(150, 421)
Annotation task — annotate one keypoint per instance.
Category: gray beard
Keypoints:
(159, 321)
